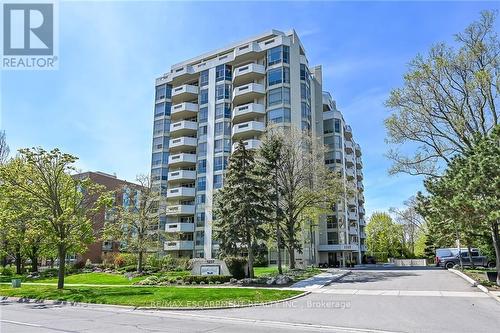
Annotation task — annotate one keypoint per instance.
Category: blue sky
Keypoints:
(99, 104)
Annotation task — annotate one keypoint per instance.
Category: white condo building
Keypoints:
(207, 103)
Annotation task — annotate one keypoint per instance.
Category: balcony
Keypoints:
(363, 247)
(183, 111)
(362, 222)
(359, 163)
(359, 175)
(176, 210)
(362, 235)
(361, 186)
(349, 173)
(182, 143)
(352, 216)
(181, 193)
(180, 160)
(361, 210)
(180, 175)
(349, 160)
(348, 132)
(338, 247)
(248, 130)
(248, 93)
(183, 128)
(181, 245)
(179, 227)
(358, 150)
(248, 112)
(353, 231)
(184, 93)
(248, 73)
(361, 198)
(249, 144)
(247, 51)
(348, 146)
(183, 73)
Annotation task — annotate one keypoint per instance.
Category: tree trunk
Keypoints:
(250, 258)
(61, 252)
(139, 262)
(18, 259)
(496, 245)
(34, 260)
(291, 252)
(469, 253)
(278, 243)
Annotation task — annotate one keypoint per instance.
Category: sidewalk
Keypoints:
(320, 280)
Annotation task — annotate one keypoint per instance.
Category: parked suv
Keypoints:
(450, 257)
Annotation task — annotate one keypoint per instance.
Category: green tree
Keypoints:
(136, 224)
(241, 207)
(303, 180)
(65, 204)
(449, 97)
(384, 237)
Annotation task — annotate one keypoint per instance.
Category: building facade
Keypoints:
(204, 105)
(124, 194)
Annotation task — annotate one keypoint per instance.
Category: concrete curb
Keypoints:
(475, 283)
(340, 276)
(54, 302)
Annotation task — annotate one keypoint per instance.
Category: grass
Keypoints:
(479, 275)
(151, 296)
(103, 278)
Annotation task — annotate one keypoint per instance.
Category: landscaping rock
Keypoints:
(271, 281)
(233, 281)
(283, 279)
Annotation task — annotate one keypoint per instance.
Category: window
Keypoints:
(222, 91)
(203, 96)
(304, 72)
(278, 54)
(203, 115)
(332, 238)
(337, 125)
(202, 166)
(338, 142)
(200, 199)
(223, 72)
(203, 78)
(160, 142)
(222, 128)
(162, 109)
(159, 158)
(222, 145)
(202, 149)
(159, 174)
(200, 219)
(278, 75)
(202, 184)
(280, 115)
(327, 126)
(202, 130)
(158, 127)
(278, 96)
(305, 110)
(330, 157)
(222, 110)
(220, 163)
(329, 142)
(332, 222)
(217, 181)
(163, 91)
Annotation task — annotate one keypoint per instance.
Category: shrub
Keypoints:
(236, 266)
(108, 259)
(79, 265)
(131, 268)
(7, 271)
(50, 272)
(119, 260)
(88, 264)
(129, 259)
(149, 281)
(260, 261)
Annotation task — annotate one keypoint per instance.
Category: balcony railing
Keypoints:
(175, 210)
(179, 245)
(248, 93)
(248, 129)
(248, 112)
(248, 73)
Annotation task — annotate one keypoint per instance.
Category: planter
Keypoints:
(16, 283)
(492, 276)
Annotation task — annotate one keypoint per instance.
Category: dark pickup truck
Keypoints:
(477, 259)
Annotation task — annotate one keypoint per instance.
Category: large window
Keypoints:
(327, 126)
(159, 174)
(163, 91)
(160, 142)
(222, 110)
(201, 184)
(203, 96)
(305, 91)
(203, 78)
(203, 114)
(278, 75)
(202, 166)
(162, 109)
(222, 145)
(332, 222)
(222, 128)
(278, 54)
(202, 149)
(337, 125)
(220, 163)
(278, 96)
(217, 181)
(304, 72)
(332, 238)
(202, 130)
(223, 72)
(200, 199)
(280, 115)
(222, 91)
(159, 158)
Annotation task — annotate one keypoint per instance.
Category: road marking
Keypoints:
(19, 323)
(409, 293)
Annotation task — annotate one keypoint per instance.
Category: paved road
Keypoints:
(393, 300)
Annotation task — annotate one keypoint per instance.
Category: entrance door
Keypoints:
(332, 259)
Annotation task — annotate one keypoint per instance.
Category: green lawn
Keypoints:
(103, 278)
(266, 271)
(151, 296)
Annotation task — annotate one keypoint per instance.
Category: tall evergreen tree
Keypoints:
(241, 208)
